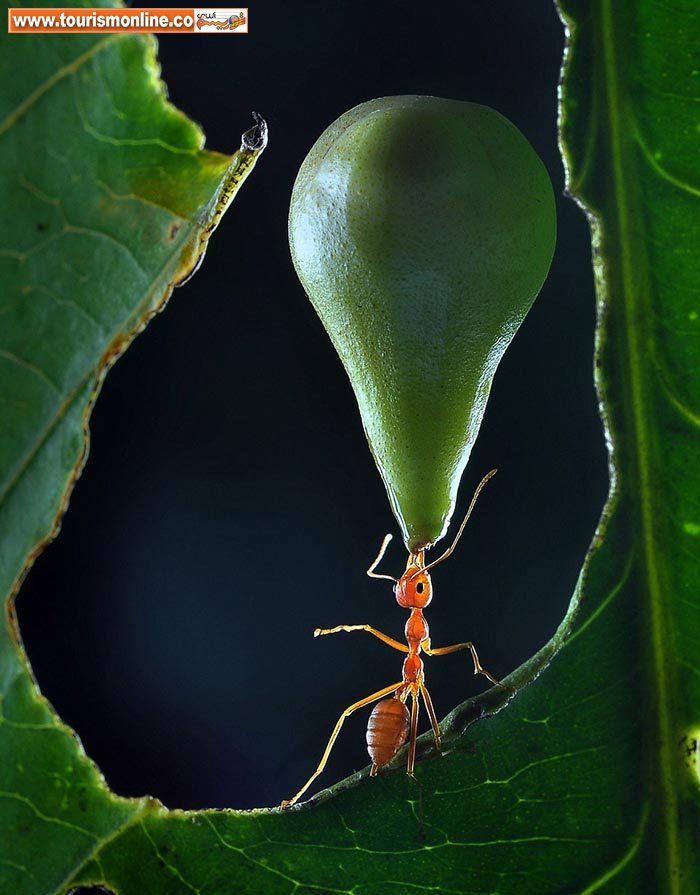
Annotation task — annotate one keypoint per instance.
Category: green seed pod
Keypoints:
(422, 229)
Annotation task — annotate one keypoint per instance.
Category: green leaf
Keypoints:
(587, 781)
(108, 201)
(630, 128)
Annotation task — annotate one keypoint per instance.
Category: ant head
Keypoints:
(414, 589)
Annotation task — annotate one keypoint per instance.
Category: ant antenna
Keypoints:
(382, 551)
(450, 549)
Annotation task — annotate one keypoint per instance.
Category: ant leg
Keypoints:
(431, 714)
(287, 803)
(414, 731)
(478, 668)
(370, 630)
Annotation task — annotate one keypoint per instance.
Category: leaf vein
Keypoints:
(32, 368)
(63, 72)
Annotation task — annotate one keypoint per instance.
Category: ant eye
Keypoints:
(420, 587)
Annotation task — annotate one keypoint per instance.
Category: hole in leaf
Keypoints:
(91, 890)
(162, 621)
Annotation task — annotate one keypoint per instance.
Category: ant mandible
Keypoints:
(390, 723)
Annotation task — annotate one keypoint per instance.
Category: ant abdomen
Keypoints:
(387, 731)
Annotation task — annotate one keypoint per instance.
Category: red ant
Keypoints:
(390, 723)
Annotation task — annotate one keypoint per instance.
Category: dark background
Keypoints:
(230, 503)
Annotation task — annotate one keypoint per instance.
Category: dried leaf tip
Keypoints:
(255, 138)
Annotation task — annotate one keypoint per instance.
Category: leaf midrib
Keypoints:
(636, 293)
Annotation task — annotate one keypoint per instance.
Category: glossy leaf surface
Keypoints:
(587, 782)
(422, 230)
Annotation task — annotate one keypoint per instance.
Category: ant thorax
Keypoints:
(416, 630)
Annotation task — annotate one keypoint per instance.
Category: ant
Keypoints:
(390, 723)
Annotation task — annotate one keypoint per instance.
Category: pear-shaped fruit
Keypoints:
(422, 230)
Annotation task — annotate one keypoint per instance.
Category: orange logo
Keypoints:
(222, 20)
